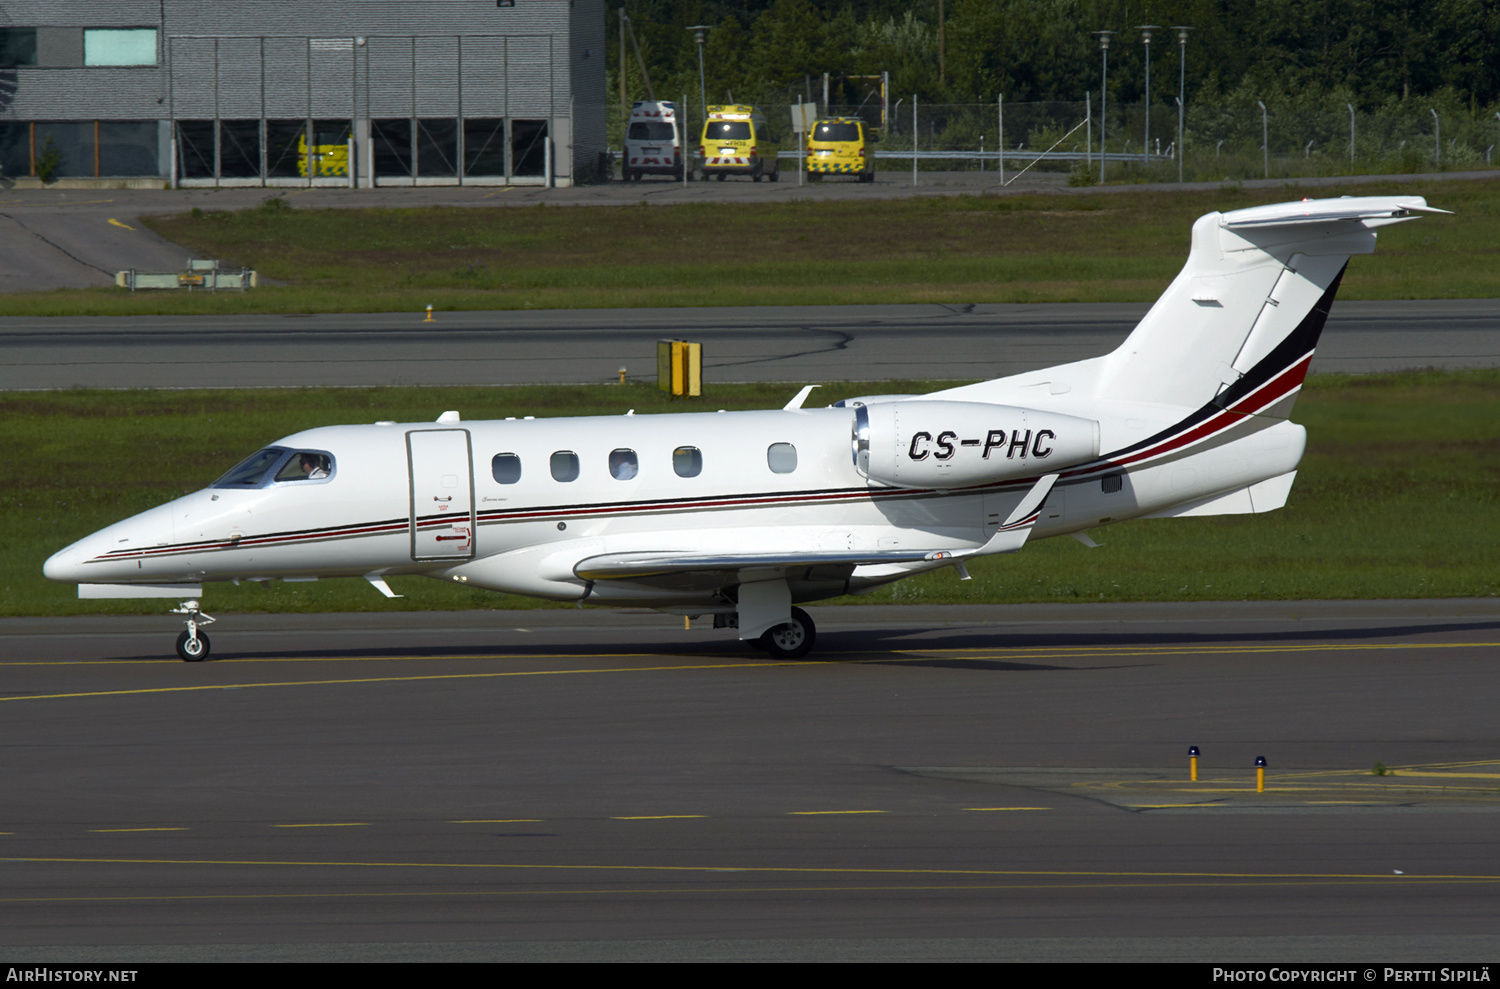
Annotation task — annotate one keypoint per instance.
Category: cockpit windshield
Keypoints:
(252, 470)
(260, 469)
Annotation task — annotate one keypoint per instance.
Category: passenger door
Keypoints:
(442, 494)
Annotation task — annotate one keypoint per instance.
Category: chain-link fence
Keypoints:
(1218, 141)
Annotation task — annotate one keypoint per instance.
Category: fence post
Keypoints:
(1000, 114)
(1179, 140)
(1265, 139)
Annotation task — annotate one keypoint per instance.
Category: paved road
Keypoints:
(963, 783)
(75, 237)
(791, 344)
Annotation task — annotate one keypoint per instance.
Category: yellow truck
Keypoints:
(325, 159)
(736, 141)
(841, 146)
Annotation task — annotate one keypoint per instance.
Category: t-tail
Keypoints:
(1243, 317)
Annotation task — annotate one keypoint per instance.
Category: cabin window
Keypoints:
(506, 468)
(249, 473)
(623, 464)
(687, 461)
(565, 466)
(782, 458)
(306, 465)
(1111, 483)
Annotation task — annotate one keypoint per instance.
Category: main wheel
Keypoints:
(192, 650)
(721, 176)
(792, 640)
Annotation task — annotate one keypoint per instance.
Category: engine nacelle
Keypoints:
(956, 444)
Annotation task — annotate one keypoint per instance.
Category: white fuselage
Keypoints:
(424, 498)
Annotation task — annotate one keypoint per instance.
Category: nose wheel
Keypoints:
(192, 645)
(193, 648)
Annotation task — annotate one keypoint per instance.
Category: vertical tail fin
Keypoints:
(1250, 303)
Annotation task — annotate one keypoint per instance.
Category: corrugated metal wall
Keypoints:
(287, 59)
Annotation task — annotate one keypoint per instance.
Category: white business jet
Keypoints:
(743, 515)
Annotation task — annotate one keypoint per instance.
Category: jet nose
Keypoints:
(63, 567)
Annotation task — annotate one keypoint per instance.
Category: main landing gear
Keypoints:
(192, 645)
(792, 640)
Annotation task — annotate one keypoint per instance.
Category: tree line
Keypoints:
(1372, 54)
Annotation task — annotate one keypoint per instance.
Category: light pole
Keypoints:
(1146, 30)
(1182, 33)
(1351, 134)
(1104, 95)
(699, 31)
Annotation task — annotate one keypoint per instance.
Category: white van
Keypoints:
(653, 140)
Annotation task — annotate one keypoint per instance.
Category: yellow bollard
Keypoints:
(429, 318)
(1260, 774)
(1193, 763)
(685, 621)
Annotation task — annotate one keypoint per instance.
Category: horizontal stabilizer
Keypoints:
(1322, 210)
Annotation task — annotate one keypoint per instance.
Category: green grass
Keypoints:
(1396, 497)
(1118, 247)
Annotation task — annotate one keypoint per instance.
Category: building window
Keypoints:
(119, 46)
(17, 47)
(782, 458)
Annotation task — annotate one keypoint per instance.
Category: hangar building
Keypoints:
(276, 92)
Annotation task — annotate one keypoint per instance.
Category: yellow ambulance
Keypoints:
(735, 142)
(840, 146)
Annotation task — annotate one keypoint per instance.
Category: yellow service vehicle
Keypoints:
(736, 142)
(840, 146)
(322, 159)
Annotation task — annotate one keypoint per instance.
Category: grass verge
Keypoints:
(1396, 497)
(964, 249)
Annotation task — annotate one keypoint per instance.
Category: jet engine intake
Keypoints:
(956, 444)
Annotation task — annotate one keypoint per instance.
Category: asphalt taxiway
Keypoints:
(997, 782)
(771, 343)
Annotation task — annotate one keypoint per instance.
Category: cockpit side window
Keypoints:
(306, 465)
(251, 471)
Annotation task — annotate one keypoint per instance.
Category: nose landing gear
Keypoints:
(192, 645)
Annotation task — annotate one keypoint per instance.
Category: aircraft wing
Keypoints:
(642, 565)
